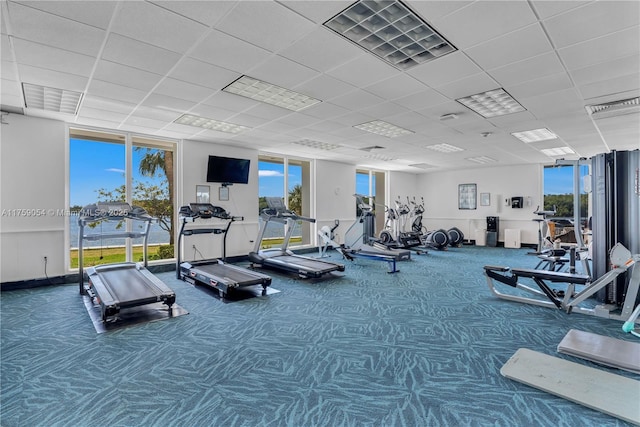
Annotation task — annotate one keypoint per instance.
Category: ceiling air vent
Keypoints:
(615, 108)
(51, 98)
(373, 147)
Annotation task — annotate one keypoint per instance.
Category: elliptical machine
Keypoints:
(395, 234)
(436, 239)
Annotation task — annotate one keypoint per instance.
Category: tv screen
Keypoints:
(228, 170)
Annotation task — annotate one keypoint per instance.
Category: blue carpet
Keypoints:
(422, 347)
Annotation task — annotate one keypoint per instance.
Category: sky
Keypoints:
(95, 165)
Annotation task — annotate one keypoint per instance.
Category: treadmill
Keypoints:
(120, 285)
(282, 258)
(214, 273)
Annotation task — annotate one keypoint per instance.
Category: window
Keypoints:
(98, 171)
(372, 184)
(275, 174)
(559, 193)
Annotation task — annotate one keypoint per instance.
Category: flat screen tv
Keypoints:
(228, 170)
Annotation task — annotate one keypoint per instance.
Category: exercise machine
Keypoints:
(359, 236)
(214, 273)
(119, 286)
(395, 235)
(570, 298)
(456, 237)
(542, 229)
(326, 235)
(282, 258)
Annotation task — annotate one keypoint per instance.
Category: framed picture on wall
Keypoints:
(485, 199)
(467, 195)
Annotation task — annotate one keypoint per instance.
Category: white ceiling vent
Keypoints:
(51, 98)
(615, 108)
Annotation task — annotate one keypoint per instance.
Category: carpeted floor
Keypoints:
(422, 347)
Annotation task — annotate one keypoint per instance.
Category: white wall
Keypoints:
(440, 191)
(32, 196)
(243, 200)
(335, 187)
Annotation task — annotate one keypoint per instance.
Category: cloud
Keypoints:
(115, 170)
(269, 174)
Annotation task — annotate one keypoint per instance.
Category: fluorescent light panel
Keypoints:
(211, 124)
(270, 94)
(380, 157)
(482, 160)
(558, 151)
(391, 31)
(380, 127)
(535, 135)
(316, 144)
(51, 98)
(444, 148)
(492, 103)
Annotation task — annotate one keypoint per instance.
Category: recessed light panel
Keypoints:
(558, 151)
(492, 103)
(380, 157)
(317, 144)
(391, 31)
(51, 98)
(535, 135)
(270, 94)
(482, 160)
(383, 128)
(211, 124)
(444, 148)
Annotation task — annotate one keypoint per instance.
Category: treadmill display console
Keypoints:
(207, 210)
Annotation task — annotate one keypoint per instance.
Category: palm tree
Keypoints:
(295, 199)
(154, 161)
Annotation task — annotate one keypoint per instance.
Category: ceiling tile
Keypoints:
(468, 86)
(607, 70)
(569, 28)
(105, 104)
(324, 87)
(126, 76)
(51, 30)
(449, 68)
(322, 50)
(610, 47)
(143, 56)
(546, 9)
(552, 83)
(423, 99)
(363, 70)
(183, 90)
(357, 100)
(203, 74)
(282, 72)
(49, 58)
(40, 76)
(229, 52)
(113, 91)
(266, 24)
(611, 86)
(95, 13)
(157, 26)
(519, 45)
(319, 11)
(164, 102)
(527, 69)
(395, 87)
(434, 11)
(485, 20)
(205, 12)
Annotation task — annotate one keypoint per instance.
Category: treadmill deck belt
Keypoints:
(241, 276)
(129, 285)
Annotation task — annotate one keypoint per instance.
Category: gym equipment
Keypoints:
(542, 229)
(629, 325)
(569, 300)
(326, 234)
(395, 235)
(363, 240)
(119, 285)
(603, 350)
(214, 273)
(612, 394)
(282, 258)
(437, 239)
(456, 237)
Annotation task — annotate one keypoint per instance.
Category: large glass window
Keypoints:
(371, 184)
(289, 179)
(98, 171)
(559, 196)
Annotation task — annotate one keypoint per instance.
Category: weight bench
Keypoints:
(569, 300)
